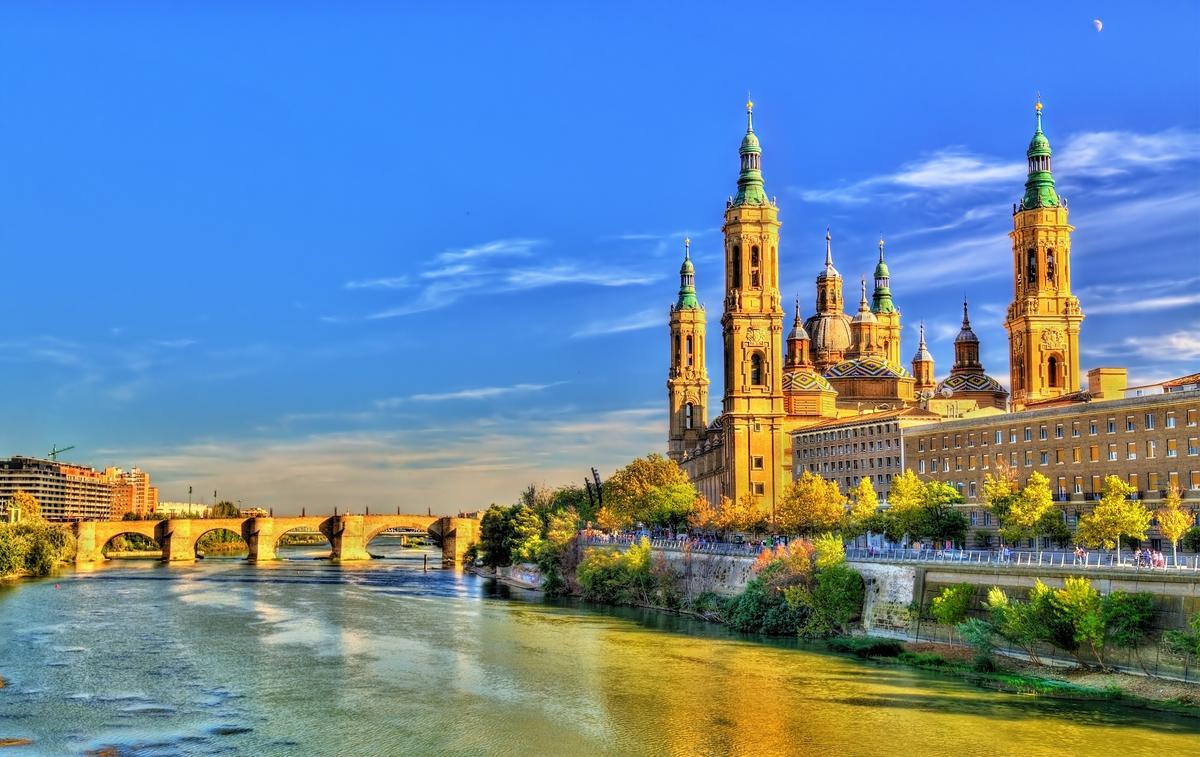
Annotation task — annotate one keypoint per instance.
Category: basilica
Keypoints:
(837, 364)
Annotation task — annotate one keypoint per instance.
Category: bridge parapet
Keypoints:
(348, 535)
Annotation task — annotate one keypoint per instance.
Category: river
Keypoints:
(305, 657)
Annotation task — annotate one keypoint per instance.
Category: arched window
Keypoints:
(675, 353)
(690, 356)
(1031, 266)
(1020, 372)
(688, 416)
(1052, 371)
(756, 370)
(1049, 266)
(737, 267)
(755, 279)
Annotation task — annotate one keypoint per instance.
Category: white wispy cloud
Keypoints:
(1182, 344)
(475, 393)
(1096, 154)
(390, 282)
(643, 319)
(1139, 297)
(496, 248)
(454, 273)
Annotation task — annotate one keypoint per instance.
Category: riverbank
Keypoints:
(1023, 677)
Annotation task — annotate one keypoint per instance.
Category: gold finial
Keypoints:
(1038, 105)
(749, 104)
(687, 247)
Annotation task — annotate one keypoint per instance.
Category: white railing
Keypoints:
(991, 557)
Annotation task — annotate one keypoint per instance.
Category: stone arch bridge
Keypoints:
(348, 535)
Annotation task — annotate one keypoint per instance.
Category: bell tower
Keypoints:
(884, 308)
(1044, 317)
(687, 378)
(752, 328)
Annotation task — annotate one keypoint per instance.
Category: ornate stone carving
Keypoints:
(1018, 341)
(1053, 340)
(756, 337)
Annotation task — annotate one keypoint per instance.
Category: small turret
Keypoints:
(881, 299)
(966, 347)
(922, 365)
(687, 280)
(1039, 187)
(797, 343)
(750, 181)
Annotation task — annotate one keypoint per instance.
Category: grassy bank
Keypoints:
(1021, 677)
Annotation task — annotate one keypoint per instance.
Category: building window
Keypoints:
(1151, 449)
(1058, 456)
(971, 490)
(1131, 451)
(1092, 428)
(1075, 428)
(1112, 425)
(920, 466)
(999, 437)
(1058, 431)
(1192, 416)
(1112, 452)
(1052, 371)
(1097, 487)
(688, 416)
(1129, 425)
(1172, 448)
(1012, 436)
(1152, 481)
(1079, 484)
(974, 517)
(1028, 434)
(1043, 457)
(1170, 423)
(1042, 433)
(1150, 421)
(1075, 455)
(1193, 446)
(1195, 480)
(758, 462)
(737, 267)
(1028, 458)
(1031, 273)
(756, 370)
(755, 281)
(691, 358)
(758, 487)
(1094, 453)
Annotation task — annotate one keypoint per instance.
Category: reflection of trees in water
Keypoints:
(221, 540)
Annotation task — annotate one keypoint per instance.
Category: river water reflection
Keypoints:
(302, 656)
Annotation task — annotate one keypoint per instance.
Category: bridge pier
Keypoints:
(348, 535)
(86, 550)
(458, 534)
(177, 542)
(260, 537)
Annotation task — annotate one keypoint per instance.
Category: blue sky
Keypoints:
(368, 254)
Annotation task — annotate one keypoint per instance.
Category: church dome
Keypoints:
(828, 332)
(865, 367)
(972, 382)
(806, 381)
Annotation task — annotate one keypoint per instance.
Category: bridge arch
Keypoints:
(198, 535)
(291, 525)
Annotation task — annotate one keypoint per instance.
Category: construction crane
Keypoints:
(55, 451)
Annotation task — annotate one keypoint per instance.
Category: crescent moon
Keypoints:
(1098, 24)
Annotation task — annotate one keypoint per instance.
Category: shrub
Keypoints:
(834, 601)
(923, 659)
(866, 646)
(34, 547)
(1128, 618)
(950, 607)
(1191, 539)
(615, 577)
(980, 634)
(761, 609)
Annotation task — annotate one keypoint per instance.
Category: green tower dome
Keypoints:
(881, 298)
(1039, 187)
(750, 181)
(687, 281)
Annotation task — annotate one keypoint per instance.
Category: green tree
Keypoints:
(810, 504)
(937, 516)
(1191, 539)
(524, 534)
(864, 504)
(835, 600)
(572, 497)
(1113, 517)
(950, 607)
(1078, 605)
(224, 509)
(668, 506)
(626, 491)
(999, 494)
(26, 504)
(1028, 508)
(904, 506)
(703, 516)
(493, 537)
(829, 550)
(1128, 619)
(1173, 520)
(537, 497)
